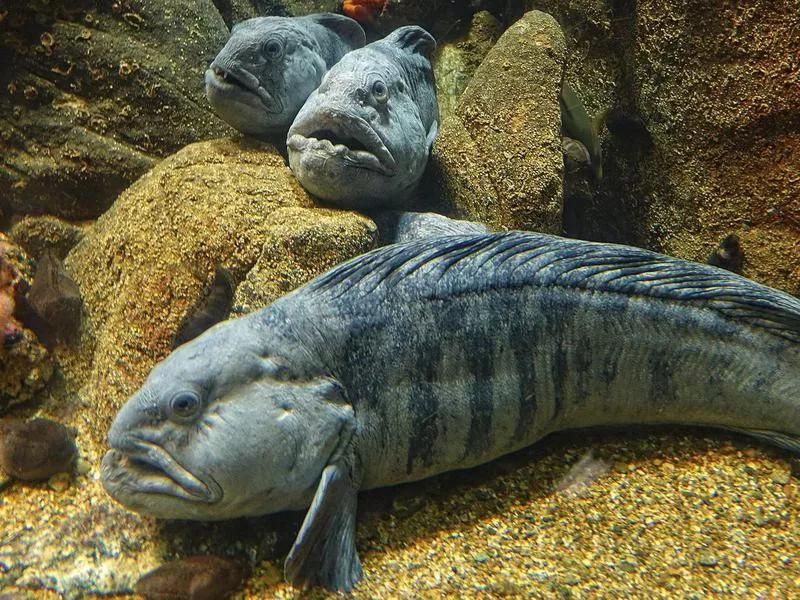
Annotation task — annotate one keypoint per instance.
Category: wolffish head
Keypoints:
(270, 65)
(362, 139)
(227, 425)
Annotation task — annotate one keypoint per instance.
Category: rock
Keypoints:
(96, 95)
(193, 578)
(40, 233)
(25, 365)
(455, 61)
(498, 158)
(36, 449)
(301, 244)
(716, 88)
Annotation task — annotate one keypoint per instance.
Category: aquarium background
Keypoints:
(113, 160)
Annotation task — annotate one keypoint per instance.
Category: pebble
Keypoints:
(194, 578)
(59, 482)
(708, 560)
(36, 449)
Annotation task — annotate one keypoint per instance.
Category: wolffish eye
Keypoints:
(380, 91)
(273, 49)
(184, 405)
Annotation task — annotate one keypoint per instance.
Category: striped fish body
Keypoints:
(456, 350)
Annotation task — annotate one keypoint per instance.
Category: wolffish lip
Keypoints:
(140, 466)
(344, 136)
(236, 79)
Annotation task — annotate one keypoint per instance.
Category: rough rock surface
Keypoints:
(39, 233)
(96, 94)
(455, 61)
(717, 87)
(25, 365)
(498, 158)
(301, 244)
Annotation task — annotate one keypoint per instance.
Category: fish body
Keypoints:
(270, 65)
(399, 226)
(362, 139)
(441, 354)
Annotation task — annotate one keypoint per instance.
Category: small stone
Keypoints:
(572, 579)
(781, 477)
(751, 468)
(194, 578)
(708, 560)
(481, 557)
(59, 482)
(83, 466)
(35, 449)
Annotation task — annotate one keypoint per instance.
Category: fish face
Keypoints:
(362, 139)
(221, 430)
(264, 73)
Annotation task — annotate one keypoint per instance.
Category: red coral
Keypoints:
(10, 328)
(364, 11)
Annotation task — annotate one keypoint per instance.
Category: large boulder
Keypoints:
(498, 157)
(97, 94)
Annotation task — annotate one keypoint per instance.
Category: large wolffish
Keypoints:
(440, 354)
(362, 139)
(270, 65)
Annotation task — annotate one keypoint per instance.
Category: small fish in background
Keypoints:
(52, 306)
(582, 474)
(364, 11)
(729, 255)
(629, 128)
(215, 307)
(194, 578)
(36, 449)
(576, 124)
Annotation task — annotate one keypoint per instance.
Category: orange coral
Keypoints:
(364, 11)
(9, 327)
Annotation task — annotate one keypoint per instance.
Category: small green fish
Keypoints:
(576, 123)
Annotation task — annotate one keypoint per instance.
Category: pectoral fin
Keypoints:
(324, 552)
(434, 129)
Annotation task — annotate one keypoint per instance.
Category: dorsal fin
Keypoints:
(345, 27)
(413, 39)
(465, 264)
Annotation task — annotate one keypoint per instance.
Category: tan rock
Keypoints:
(301, 244)
(498, 158)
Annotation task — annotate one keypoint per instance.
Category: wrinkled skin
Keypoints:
(270, 65)
(363, 138)
(177, 444)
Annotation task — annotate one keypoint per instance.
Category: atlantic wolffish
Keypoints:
(440, 354)
(270, 65)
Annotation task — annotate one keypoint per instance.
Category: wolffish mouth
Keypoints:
(244, 82)
(140, 466)
(344, 137)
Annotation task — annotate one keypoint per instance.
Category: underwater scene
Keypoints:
(399, 299)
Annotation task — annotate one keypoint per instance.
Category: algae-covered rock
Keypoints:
(39, 233)
(25, 365)
(498, 157)
(301, 244)
(96, 94)
(455, 61)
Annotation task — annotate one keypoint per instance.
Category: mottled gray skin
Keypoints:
(270, 65)
(441, 354)
(395, 227)
(363, 138)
